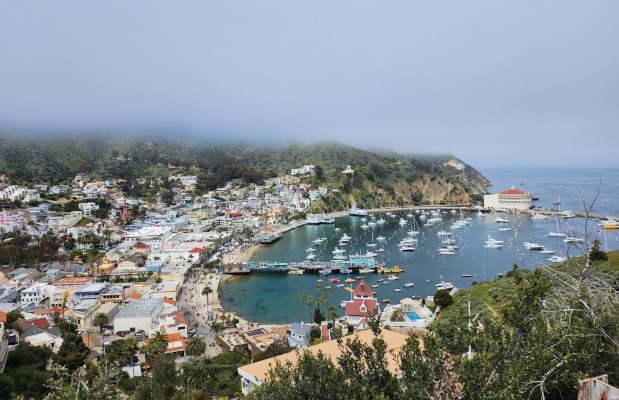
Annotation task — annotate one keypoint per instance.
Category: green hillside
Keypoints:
(380, 179)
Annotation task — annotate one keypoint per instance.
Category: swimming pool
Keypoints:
(413, 316)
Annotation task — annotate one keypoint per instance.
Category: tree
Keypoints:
(156, 347)
(205, 292)
(442, 298)
(217, 327)
(72, 353)
(318, 316)
(196, 346)
(303, 299)
(99, 320)
(312, 377)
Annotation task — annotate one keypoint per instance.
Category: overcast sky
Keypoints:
(493, 82)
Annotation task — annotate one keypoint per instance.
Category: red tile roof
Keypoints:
(363, 289)
(513, 192)
(354, 308)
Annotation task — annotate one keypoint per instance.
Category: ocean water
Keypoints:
(274, 298)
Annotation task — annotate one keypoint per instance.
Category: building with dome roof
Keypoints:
(508, 200)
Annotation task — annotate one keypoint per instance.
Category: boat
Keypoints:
(392, 277)
(444, 285)
(557, 259)
(345, 238)
(339, 285)
(334, 280)
(381, 238)
(491, 245)
(533, 246)
(345, 270)
(338, 250)
(397, 269)
(538, 216)
(327, 220)
(406, 248)
(349, 280)
(310, 256)
(357, 212)
(325, 271)
(319, 280)
(500, 220)
(318, 240)
(310, 250)
(385, 301)
(409, 284)
(556, 233)
(397, 290)
(366, 270)
(573, 239)
(295, 271)
(544, 250)
(375, 285)
(493, 240)
(466, 275)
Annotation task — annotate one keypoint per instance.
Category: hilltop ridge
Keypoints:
(380, 178)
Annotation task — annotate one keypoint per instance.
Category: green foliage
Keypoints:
(58, 159)
(72, 353)
(25, 372)
(442, 298)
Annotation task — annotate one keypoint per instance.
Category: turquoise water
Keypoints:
(274, 298)
(412, 315)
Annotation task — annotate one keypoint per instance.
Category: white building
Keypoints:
(507, 200)
(141, 314)
(35, 294)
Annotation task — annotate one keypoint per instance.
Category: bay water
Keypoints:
(274, 298)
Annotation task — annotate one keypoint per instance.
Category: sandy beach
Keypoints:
(213, 280)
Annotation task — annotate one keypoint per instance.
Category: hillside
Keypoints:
(380, 178)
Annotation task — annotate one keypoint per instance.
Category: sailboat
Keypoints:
(557, 233)
(372, 243)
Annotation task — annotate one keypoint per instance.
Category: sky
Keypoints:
(494, 82)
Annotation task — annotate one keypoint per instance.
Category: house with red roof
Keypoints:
(361, 306)
(508, 200)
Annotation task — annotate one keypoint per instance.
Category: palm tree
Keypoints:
(303, 299)
(198, 371)
(196, 346)
(99, 320)
(156, 346)
(310, 301)
(217, 327)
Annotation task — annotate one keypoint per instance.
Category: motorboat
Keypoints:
(334, 280)
(409, 284)
(366, 270)
(397, 269)
(397, 290)
(325, 271)
(392, 277)
(444, 285)
(349, 280)
(357, 212)
(295, 271)
(310, 256)
(533, 246)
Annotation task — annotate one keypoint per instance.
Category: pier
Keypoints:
(311, 267)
